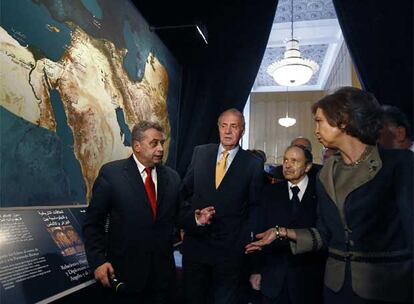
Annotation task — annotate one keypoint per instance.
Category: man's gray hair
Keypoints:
(144, 125)
(235, 112)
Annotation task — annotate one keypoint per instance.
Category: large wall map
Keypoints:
(75, 77)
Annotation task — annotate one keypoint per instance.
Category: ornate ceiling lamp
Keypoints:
(292, 70)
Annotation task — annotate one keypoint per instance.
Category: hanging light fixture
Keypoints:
(287, 121)
(292, 70)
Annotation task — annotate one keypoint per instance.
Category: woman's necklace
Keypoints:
(363, 157)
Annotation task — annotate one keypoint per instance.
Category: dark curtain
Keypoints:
(379, 35)
(223, 78)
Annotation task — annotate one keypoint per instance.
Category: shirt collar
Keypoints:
(232, 152)
(302, 184)
(140, 166)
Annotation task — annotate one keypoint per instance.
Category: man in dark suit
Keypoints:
(285, 278)
(277, 172)
(136, 200)
(213, 255)
(396, 129)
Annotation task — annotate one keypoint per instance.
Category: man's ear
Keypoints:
(136, 146)
(400, 134)
(308, 167)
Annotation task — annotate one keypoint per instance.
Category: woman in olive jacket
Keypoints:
(365, 198)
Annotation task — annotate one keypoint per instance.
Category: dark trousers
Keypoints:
(282, 298)
(216, 282)
(158, 289)
(146, 297)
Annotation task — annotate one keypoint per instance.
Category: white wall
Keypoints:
(266, 134)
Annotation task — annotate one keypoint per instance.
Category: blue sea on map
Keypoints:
(38, 167)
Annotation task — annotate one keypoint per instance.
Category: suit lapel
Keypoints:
(285, 216)
(307, 196)
(372, 166)
(211, 166)
(286, 191)
(134, 178)
(233, 166)
(306, 199)
(289, 207)
(367, 171)
(162, 185)
(326, 177)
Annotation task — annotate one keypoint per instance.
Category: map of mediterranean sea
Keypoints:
(75, 77)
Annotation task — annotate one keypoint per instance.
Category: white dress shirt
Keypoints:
(141, 169)
(302, 187)
(232, 155)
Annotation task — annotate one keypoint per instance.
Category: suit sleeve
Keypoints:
(187, 210)
(255, 260)
(256, 215)
(254, 223)
(403, 180)
(315, 238)
(95, 221)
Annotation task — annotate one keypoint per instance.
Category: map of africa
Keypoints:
(75, 77)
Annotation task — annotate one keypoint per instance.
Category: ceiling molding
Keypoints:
(320, 40)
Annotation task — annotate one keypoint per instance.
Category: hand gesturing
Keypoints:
(204, 216)
(265, 238)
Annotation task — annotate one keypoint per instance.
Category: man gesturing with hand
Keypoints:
(129, 222)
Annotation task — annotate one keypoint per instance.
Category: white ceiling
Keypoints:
(320, 38)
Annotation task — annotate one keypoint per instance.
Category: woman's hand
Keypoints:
(265, 238)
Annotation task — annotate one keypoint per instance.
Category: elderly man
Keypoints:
(277, 172)
(229, 179)
(140, 197)
(284, 278)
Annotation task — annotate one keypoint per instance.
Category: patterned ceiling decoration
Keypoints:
(316, 52)
(311, 12)
(304, 10)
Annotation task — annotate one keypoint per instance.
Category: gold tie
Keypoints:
(221, 168)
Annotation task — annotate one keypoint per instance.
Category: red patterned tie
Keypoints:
(150, 187)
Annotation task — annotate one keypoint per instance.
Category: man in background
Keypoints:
(277, 172)
(229, 179)
(284, 278)
(396, 130)
(327, 153)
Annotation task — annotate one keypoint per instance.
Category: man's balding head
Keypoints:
(302, 141)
